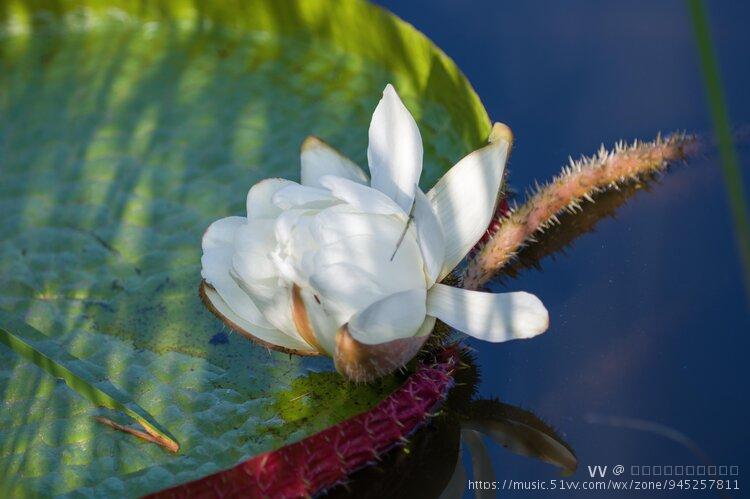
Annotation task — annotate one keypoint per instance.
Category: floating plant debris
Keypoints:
(35, 346)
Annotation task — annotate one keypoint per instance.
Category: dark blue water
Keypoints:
(645, 360)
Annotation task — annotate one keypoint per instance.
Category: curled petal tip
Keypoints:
(501, 131)
(545, 324)
(318, 158)
(395, 150)
(310, 142)
(538, 321)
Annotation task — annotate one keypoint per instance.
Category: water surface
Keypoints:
(649, 317)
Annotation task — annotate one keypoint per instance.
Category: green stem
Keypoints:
(720, 117)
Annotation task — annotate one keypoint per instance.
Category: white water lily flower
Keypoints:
(348, 266)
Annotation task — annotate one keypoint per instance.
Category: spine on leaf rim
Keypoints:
(581, 180)
(317, 463)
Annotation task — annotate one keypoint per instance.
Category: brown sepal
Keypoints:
(362, 362)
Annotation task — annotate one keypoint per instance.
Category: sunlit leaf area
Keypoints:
(124, 134)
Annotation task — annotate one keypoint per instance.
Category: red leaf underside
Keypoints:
(321, 461)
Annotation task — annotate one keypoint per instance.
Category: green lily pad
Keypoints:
(125, 129)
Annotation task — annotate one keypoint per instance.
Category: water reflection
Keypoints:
(648, 314)
(431, 464)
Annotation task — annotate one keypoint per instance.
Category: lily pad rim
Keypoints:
(356, 26)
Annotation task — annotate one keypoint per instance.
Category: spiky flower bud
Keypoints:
(578, 182)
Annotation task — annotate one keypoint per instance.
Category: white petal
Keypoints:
(346, 289)
(294, 241)
(260, 198)
(372, 254)
(278, 311)
(287, 223)
(319, 159)
(302, 196)
(395, 150)
(221, 233)
(427, 326)
(369, 242)
(399, 315)
(253, 244)
(361, 197)
(464, 198)
(285, 267)
(216, 263)
(323, 324)
(430, 237)
(333, 224)
(265, 315)
(491, 317)
(268, 335)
